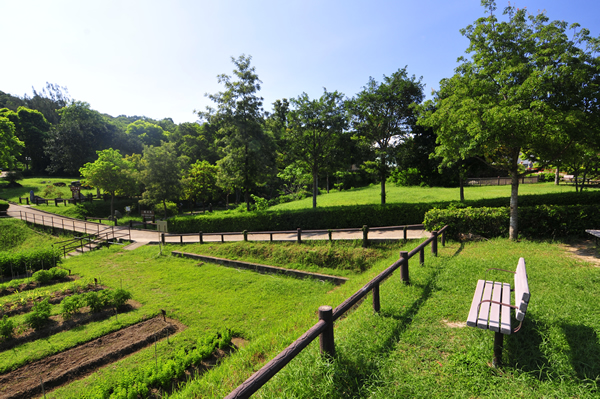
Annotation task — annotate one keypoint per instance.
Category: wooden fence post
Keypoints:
(365, 230)
(404, 232)
(326, 341)
(422, 256)
(404, 277)
(299, 235)
(376, 301)
(245, 233)
(434, 243)
(200, 237)
(330, 233)
(162, 238)
(443, 238)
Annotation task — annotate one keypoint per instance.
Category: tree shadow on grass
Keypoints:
(523, 349)
(354, 369)
(584, 352)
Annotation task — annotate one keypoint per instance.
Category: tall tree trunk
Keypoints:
(315, 188)
(327, 183)
(556, 177)
(165, 207)
(247, 198)
(461, 184)
(514, 210)
(112, 203)
(383, 188)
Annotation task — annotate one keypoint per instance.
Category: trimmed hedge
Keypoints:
(355, 216)
(35, 259)
(3, 206)
(320, 218)
(542, 221)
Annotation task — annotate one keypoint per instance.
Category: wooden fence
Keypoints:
(500, 181)
(297, 233)
(327, 316)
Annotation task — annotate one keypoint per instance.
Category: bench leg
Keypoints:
(498, 343)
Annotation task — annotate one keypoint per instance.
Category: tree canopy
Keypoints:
(527, 91)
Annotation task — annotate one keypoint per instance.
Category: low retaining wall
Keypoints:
(262, 268)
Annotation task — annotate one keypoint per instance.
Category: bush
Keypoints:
(541, 221)
(94, 301)
(34, 259)
(119, 297)
(71, 305)
(39, 315)
(7, 327)
(3, 206)
(42, 276)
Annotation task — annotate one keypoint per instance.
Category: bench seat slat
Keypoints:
(494, 323)
(505, 327)
(484, 309)
(522, 294)
(472, 319)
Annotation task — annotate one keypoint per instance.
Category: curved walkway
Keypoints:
(142, 237)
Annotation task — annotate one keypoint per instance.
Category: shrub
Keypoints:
(3, 206)
(42, 276)
(541, 221)
(71, 305)
(58, 273)
(119, 297)
(39, 315)
(94, 301)
(7, 327)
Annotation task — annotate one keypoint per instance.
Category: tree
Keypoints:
(315, 127)
(196, 141)
(10, 145)
(48, 101)
(382, 116)
(162, 172)
(148, 133)
(33, 131)
(246, 149)
(111, 173)
(201, 182)
(528, 90)
(75, 140)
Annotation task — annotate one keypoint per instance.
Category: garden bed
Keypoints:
(80, 361)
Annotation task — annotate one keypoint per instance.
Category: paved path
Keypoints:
(142, 237)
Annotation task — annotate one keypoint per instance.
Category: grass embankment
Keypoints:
(396, 195)
(269, 310)
(418, 346)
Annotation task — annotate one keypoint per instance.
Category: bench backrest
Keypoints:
(522, 293)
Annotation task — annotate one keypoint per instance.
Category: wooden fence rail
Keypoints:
(298, 233)
(324, 327)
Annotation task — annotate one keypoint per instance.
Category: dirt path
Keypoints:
(585, 250)
(77, 362)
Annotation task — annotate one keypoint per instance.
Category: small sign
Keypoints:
(146, 212)
(127, 209)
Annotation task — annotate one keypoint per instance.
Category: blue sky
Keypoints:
(159, 58)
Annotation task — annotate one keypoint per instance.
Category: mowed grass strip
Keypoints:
(414, 194)
(419, 346)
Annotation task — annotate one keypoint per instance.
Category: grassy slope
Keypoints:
(370, 195)
(270, 311)
(409, 350)
(16, 236)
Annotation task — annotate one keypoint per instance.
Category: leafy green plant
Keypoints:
(6, 327)
(71, 305)
(119, 297)
(94, 301)
(42, 276)
(39, 315)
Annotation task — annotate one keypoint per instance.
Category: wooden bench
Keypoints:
(491, 307)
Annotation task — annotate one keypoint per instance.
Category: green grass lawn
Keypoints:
(371, 195)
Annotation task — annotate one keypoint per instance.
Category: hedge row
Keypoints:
(35, 259)
(355, 216)
(3, 206)
(320, 218)
(542, 221)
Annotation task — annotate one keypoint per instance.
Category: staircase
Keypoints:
(89, 242)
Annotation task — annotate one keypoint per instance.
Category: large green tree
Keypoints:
(200, 182)
(527, 90)
(246, 151)
(162, 173)
(149, 133)
(382, 116)
(314, 132)
(111, 173)
(10, 145)
(75, 140)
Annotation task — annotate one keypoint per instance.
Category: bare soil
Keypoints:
(33, 285)
(585, 250)
(82, 360)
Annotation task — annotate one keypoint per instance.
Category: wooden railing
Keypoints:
(298, 233)
(327, 316)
